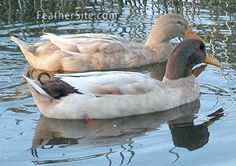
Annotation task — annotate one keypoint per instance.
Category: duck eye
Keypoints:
(179, 22)
(202, 47)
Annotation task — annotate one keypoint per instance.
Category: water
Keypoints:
(201, 133)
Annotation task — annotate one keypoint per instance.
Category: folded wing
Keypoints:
(87, 43)
(109, 83)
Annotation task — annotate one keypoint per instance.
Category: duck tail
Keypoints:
(19, 42)
(27, 49)
(36, 85)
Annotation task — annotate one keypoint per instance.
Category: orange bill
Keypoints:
(189, 34)
(212, 60)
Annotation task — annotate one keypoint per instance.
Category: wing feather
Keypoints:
(107, 83)
(37, 86)
(87, 43)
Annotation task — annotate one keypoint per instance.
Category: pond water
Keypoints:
(200, 133)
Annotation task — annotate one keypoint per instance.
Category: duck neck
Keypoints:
(189, 79)
(158, 36)
(159, 44)
(176, 72)
(177, 67)
(189, 84)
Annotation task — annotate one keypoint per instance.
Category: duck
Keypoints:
(95, 51)
(114, 94)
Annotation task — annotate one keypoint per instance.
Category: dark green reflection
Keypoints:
(191, 136)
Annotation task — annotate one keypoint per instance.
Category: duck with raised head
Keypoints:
(93, 51)
(104, 95)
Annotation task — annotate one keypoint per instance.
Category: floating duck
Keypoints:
(104, 95)
(92, 51)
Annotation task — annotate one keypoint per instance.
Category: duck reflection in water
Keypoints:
(121, 131)
(109, 131)
(187, 135)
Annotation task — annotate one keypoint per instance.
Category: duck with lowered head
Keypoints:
(93, 51)
(103, 95)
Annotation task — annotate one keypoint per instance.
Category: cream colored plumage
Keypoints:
(87, 52)
(129, 94)
(103, 95)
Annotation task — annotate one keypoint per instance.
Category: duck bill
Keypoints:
(189, 34)
(212, 60)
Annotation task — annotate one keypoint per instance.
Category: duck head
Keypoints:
(184, 57)
(168, 27)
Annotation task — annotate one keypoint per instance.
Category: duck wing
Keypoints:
(109, 83)
(88, 43)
